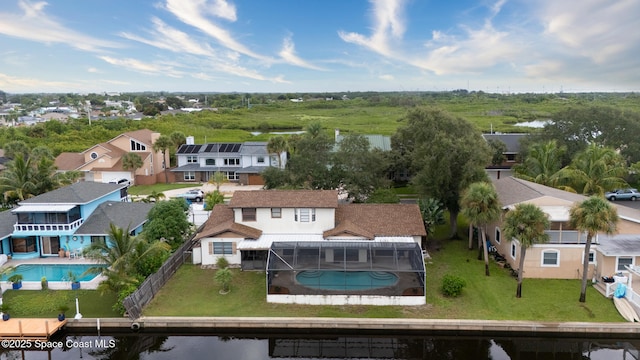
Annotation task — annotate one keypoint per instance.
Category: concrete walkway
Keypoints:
(361, 326)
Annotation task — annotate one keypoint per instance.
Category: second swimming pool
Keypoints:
(346, 280)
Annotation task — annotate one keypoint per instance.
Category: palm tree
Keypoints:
(178, 138)
(121, 253)
(213, 198)
(277, 145)
(17, 179)
(594, 171)
(526, 223)
(223, 276)
(592, 216)
(481, 206)
(132, 161)
(155, 196)
(162, 144)
(543, 161)
(218, 179)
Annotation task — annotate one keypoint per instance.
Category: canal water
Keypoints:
(240, 347)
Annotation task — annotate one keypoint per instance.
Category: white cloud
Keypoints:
(191, 13)
(388, 24)
(35, 25)
(288, 54)
(600, 30)
(93, 70)
(144, 67)
(387, 77)
(18, 84)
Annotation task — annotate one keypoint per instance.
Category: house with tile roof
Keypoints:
(259, 228)
(562, 256)
(239, 162)
(103, 162)
(69, 219)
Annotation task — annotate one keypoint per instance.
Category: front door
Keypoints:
(50, 245)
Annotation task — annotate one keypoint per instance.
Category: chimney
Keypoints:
(190, 140)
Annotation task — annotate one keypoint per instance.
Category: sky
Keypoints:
(280, 46)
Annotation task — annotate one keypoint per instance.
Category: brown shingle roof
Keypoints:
(69, 161)
(285, 199)
(221, 221)
(379, 220)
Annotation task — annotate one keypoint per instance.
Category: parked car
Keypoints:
(120, 181)
(193, 195)
(623, 194)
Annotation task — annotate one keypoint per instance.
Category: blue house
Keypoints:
(68, 219)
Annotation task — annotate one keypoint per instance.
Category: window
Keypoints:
(592, 257)
(248, 214)
(622, 261)
(498, 237)
(513, 249)
(94, 155)
(192, 159)
(136, 146)
(232, 175)
(550, 258)
(232, 162)
(98, 240)
(210, 161)
(305, 215)
(221, 248)
(24, 245)
(260, 159)
(189, 175)
(511, 157)
(276, 212)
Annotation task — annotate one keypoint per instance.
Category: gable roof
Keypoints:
(78, 193)
(284, 199)
(512, 191)
(125, 215)
(221, 220)
(69, 161)
(378, 220)
(142, 135)
(512, 141)
(381, 142)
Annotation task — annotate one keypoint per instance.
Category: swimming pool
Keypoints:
(53, 272)
(346, 280)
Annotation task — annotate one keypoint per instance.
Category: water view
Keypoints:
(234, 347)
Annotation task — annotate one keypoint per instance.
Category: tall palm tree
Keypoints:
(132, 161)
(594, 171)
(17, 180)
(277, 145)
(526, 223)
(542, 162)
(162, 144)
(592, 216)
(480, 205)
(121, 253)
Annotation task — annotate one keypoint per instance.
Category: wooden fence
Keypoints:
(152, 284)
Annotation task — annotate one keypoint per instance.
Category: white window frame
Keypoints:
(260, 160)
(498, 235)
(276, 213)
(550, 251)
(309, 214)
(633, 262)
(189, 175)
(593, 262)
(93, 155)
(232, 162)
(514, 249)
(192, 159)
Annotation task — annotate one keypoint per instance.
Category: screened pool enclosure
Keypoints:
(331, 272)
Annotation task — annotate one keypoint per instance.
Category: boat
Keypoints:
(625, 309)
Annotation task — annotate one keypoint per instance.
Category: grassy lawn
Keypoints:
(193, 292)
(147, 189)
(44, 304)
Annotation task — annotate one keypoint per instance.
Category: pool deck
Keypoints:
(53, 285)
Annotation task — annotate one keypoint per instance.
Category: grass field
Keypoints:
(193, 292)
(159, 187)
(45, 304)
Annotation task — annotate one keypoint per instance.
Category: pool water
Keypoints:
(53, 272)
(346, 280)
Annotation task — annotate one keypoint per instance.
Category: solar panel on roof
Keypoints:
(236, 147)
(209, 148)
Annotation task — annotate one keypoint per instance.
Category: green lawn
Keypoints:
(44, 304)
(193, 292)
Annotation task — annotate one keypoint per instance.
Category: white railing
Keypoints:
(566, 237)
(47, 227)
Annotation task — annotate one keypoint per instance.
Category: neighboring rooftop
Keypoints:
(125, 215)
(285, 199)
(378, 220)
(512, 141)
(78, 193)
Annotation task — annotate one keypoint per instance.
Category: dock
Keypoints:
(30, 329)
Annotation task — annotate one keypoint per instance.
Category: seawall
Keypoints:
(302, 325)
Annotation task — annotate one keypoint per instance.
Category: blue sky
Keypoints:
(317, 46)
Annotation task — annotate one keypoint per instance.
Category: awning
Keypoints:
(265, 241)
(61, 208)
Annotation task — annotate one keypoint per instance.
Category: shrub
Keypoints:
(452, 285)
(222, 263)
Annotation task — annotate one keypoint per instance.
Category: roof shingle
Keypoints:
(285, 199)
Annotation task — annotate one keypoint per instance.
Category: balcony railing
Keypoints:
(47, 227)
(566, 237)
